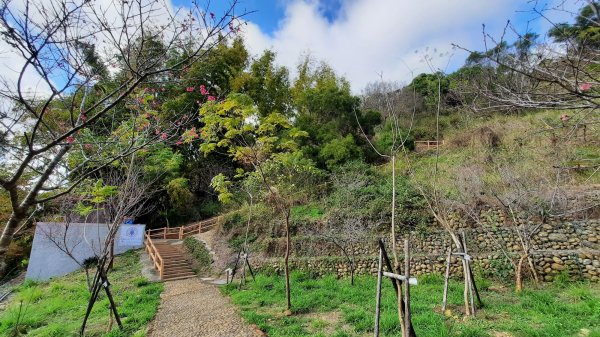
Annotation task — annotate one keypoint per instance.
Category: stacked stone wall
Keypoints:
(568, 247)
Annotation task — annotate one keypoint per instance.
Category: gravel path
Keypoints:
(193, 308)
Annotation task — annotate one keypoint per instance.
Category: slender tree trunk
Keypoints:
(518, 274)
(286, 260)
(533, 271)
(395, 253)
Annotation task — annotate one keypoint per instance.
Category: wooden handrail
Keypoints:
(182, 231)
(157, 260)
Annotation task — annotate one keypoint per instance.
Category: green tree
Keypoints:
(585, 31)
(267, 84)
(266, 144)
(328, 112)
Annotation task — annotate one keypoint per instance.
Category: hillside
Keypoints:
(547, 168)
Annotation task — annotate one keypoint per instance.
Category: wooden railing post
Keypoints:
(165, 233)
(181, 233)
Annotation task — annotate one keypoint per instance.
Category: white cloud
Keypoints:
(370, 37)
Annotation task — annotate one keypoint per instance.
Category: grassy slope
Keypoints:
(56, 308)
(330, 307)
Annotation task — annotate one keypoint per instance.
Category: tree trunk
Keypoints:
(286, 260)
(518, 274)
(394, 252)
(19, 210)
(5, 240)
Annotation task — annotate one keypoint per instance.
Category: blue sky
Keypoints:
(366, 40)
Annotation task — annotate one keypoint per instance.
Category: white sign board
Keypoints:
(131, 235)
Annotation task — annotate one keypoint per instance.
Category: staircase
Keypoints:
(175, 266)
(166, 251)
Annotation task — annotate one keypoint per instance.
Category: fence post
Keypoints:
(165, 233)
(181, 233)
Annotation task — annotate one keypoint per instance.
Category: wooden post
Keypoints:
(113, 306)
(446, 278)
(181, 233)
(407, 320)
(468, 273)
(250, 267)
(395, 283)
(165, 233)
(378, 298)
(199, 227)
(235, 265)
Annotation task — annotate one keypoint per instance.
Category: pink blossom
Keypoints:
(88, 146)
(83, 118)
(70, 139)
(189, 89)
(212, 98)
(157, 131)
(203, 90)
(163, 136)
(565, 117)
(178, 142)
(585, 86)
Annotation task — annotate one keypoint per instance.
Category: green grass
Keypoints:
(331, 307)
(56, 308)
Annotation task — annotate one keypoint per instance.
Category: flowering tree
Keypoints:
(87, 60)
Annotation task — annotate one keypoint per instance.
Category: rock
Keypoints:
(557, 237)
(557, 266)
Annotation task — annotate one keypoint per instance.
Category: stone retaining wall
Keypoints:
(563, 247)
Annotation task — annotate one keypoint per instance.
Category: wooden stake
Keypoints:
(250, 267)
(446, 278)
(378, 298)
(395, 283)
(407, 322)
(235, 265)
(468, 273)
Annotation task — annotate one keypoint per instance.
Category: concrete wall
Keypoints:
(84, 240)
